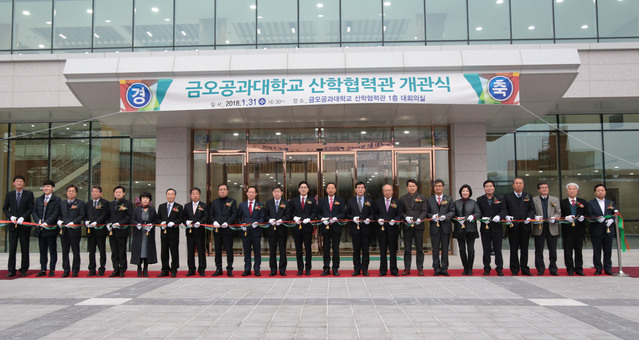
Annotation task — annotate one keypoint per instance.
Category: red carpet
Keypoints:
(632, 271)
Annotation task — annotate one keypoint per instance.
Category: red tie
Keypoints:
(330, 204)
(303, 201)
(573, 202)
(250, 208)
(439, 200)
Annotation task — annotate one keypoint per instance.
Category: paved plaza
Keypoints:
(478, 307)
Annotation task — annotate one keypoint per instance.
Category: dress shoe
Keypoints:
(420, 272)
(145, 273)
(555, 274)
(514, 273)
(229, 273)
(597, 272)
(300, 272)
(217, 273)
(90, 274)
(395, 274)
(202, 273)
(282, 273)
(190, 273)
(41, 273)
(65, 273)
(486, 272)
(51, 273)
(608, 272)
(163, 274)
(258, 273)
(273, 273)
(173, 274)
(326, 272)
(122, 273)
(500, 272)
(11, 274)
(114, 274)
(465, 272)
(23, 274)
(539, 274)
(580, 273)
(436, 273)
(365, 273)
(406, 272)
(335, 272)
(445, 273)
(571, 274)
(470, 272)
(101, 273)
(382, 273)
(526, 273)
(308, 272)
(246, 273)
(355, 274)
(74, 274)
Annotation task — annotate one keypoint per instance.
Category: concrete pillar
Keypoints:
(173, 170)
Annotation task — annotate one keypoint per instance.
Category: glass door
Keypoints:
(228, 169)
(265, 170)
(301, 167)
(339, 168)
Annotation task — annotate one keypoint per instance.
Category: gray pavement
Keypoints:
(345, 307)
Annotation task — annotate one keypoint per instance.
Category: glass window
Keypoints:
(540, 125)
(579, 122)
(153, 23)
(235, 23)
(375, 169)
(31, 160)
(489, 19)
(277, 21)
(621, 121)
(319, 21)
(440, 136)
(113, 20)
(413, 137)
(195, 22)
(201, 140)
(228, 140)
(70, 130)
(281, 136)
(199, 176)
(5, 23)
(72, 23)
(144, 167)
(622, 180)
(446, 20)
(441, 170)
(360, 135)
(70, 165)
(500, 159)
(265, 170)
(361, 20)
(575, 19)
(110, 164)
(531, 19)
(30, 130)
(32, 25)
(618, 18)
(580, 162)
(403, 20)
(537, 160)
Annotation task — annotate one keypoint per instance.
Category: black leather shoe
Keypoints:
(258, 274)
(101, 273)
(539, 274)
(190, 273)
(514, 273)
(229, 273)
(355, 274)
(445, 273)
(571, 274)
(173, 274)
(41, 273)
(470, 272)
(282, 273)
(597, 272)
(217, 273)
(273, 273)
(90, 274)
(74, 274)
(12, 274)
(163, 274)
(436, 273)
(122, 273)
(556, 274)
(308, 272)
(500, 273)
(486, 272)
(395, 274)
(202, 274)
(300, 272)
(406, 272)
(580, 273)
(65, 274)
(326, 272)
(608, 272)
(51, 273)
(114, 274)
(365, 273)
(527, 273)
(420, 272)
(23, 274)
(335, 272)
(246, 273)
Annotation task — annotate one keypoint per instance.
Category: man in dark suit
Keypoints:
(222, 214)
(519, 206)
(388, 212)
(276, 213)
(18, 206)
(195, 214)
(251, 212)
(603, 230)
(414, 211)
(331, 208)
(72, 212)
(441, 209)
(97, 216)
(360, 210)
(45, 212)
(171, 215)
(573, 209)
(120, 212)
(303, 209)
(493, 208)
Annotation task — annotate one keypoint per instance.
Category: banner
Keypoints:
(205, 93)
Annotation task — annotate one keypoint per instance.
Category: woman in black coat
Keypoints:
(467, 212)
(143, 250)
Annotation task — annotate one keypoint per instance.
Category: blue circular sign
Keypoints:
(262, 101)
(138, 95)
(500, 88)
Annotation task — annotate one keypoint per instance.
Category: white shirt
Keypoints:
(602, 205)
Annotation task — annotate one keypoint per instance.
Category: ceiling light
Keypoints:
(259, 31)
(499, 2)
(293, 30)
(26, 13)
(253, 7)
(228, 42)
(583, 27)
(90, 11)
(616, 167)
(406, 132)
(155, 9)
(387, 3)
(96, 35)
(363, 132)
(41, 46)
(62, 36)
(48, 22)
(320, 15)
(560, 1)
(149, 34)
(278, 133)
(183, 33)
(235, 134)
(259, 17)
(107, 21)
(319, 5)
(541, 171)
(531, 27)
(478, 28)
(167, 19)
(348, 28)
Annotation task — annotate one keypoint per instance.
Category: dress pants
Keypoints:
(388, 242)
(20, 234)
(573, 241)
(598, 243)
(169, 245)
(223, 238)
(492, 241)
(441, 243)
(118, 253)
(73, 244)
(305, 238)
(48, 244)
(252, 242)
(276, 242)
(99, 241)
(417, 236)
(331, 240)
(519, 241)
(551, 241)
(192, 243)
(361, 257)
(467, 252)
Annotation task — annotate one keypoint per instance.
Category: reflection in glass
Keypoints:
(283, 136)
(277, 21)
(446, 20)
(500, 153)
(30, 130)
(581, 163)
(225, 140)
(361, 20)
(413, 137)
(579, 122)
(301, 167)
(339, 169)
(540, 125)
(235, 22)
(32, 25)
(70, 130)
(375, 169)
(440, 136)
(265, 170)
(537, 160)
(413, 166)
(532, 19)
(575, 19)
(153, 22)
(144, 166)
(489, 19)
(70, 165)
(230, 171)
(622, 182)
(319, 23)
(5, 32)
(113, 20)
(199, 178)
(194, 22)
(618, 18)
(110, 165)
(441, 171)
(620, 121)
(359, 135)
(403, 20)
(31, 160)
(72, 23)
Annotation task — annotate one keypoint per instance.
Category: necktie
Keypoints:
(439, 200)
(330, 204)
(303, 201)
(277, 206)
(572, 202)
(95, 204)
(194, 207)
(18, 197)
(251, 208)
(44, 210)
(168, 210)
(387, 204)
(518, 195)
(359, 203)
(490, 202)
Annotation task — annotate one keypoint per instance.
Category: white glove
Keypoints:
(188, 223)
(20, 220)
(108, 226)
(496, 219)
(409, 219)
(419, 221)
(616, 211)
(44, 224)
(59, 223)
(94, 224)
(324, 219)
(601, 219)
(13, 219)
(170, 225)
(553, 220)
(527, 220)
(434, 218)
(334, 219)
(391, 222)
(163, 226)
(271, 221)
(570, 218)
(243, 228)
(297, 219)
(197, 224)
(356, 219)
(581, 218)
(306, 220)
(380, 221)
(326, 222)
(539, 218)
(442, 217)
(69, 224)
(139, 226)
(115, 225)
(367, 221)
(254, 225)
(470, 218)
(279, 222)
(509, 218)
(609, 222)
(215, 224)
(225, 225)
(86, 223)
(163, 223)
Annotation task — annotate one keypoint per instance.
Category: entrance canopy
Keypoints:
(543, 76)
